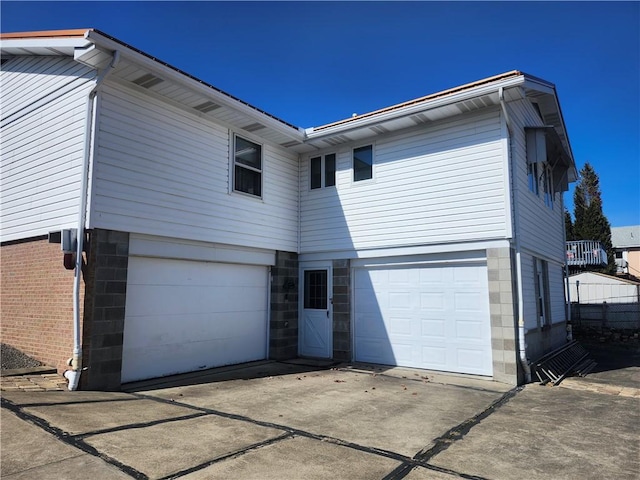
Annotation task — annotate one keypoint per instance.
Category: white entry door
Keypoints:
(316, 324)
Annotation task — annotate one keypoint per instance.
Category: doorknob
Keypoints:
(327, 313)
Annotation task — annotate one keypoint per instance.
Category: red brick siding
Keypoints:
(36, 301)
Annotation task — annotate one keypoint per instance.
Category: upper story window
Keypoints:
(363, 163)
(323, 171)
(247, 166)
(539, 173)
(532, 170)
(547, 186)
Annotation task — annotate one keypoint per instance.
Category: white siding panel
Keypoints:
(529, 292)
(556, 293)
(440, 183)
(541, 228)
(161, 171)
(27, 80)
(43, 123)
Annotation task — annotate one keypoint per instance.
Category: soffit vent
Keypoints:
(292, 143)
(475, 104)
(254, 127)
(379, 129)
(148, 80)
(207, 107)
(333, 141)
(419, 118)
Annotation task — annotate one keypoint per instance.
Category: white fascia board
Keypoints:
(415, 108)
(198, 86)
(60, 44)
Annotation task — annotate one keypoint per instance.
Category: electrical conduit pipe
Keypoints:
(73, 375)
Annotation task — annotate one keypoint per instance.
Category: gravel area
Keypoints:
(14, 358)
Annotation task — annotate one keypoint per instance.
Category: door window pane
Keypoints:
(315, 289)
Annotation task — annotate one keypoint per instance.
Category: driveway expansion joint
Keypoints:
(453, 435)
(235, 454)
(69, 439)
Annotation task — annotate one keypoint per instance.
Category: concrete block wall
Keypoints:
(341, 298)
(503, 309)
(106, 288)
(283, 328)
(36, 300)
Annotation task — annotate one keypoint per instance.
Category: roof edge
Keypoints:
(432, 96)
(76, 33)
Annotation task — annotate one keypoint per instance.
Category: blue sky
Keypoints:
(311, 63)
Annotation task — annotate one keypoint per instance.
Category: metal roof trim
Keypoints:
(104, 40)
(76, 33)
(424, 99)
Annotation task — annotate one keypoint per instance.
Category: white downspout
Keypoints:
(566, 274)
(73, 375)
(516, 228)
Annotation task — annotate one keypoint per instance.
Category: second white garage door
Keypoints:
(431, 317)
(183, 316)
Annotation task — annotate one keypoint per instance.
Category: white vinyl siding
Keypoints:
(43, 124)
(162, 171)
(443, 182)
(540, 226)
(556, 293)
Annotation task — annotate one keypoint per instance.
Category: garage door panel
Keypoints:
(182, 316)
(436, 356)
(434, 317)
(433, 329)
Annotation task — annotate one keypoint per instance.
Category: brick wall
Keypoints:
(36, 301)
(283, 329)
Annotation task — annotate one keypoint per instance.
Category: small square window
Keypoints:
(363, 163)
(247, 170)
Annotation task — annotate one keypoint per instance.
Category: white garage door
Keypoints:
(183, 316)
(431, 317)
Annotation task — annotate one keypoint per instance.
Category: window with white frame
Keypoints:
(541, 287)
(532, 172)
(322, 171)
(247, 166)
(363, 163)
(547, 186)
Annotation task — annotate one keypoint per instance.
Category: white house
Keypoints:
(428, 234)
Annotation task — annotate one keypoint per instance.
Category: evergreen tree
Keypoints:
(568, 226)
(590, 222)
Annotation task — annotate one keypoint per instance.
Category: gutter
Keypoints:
(73, 375)
(522, 347)
(412, 108)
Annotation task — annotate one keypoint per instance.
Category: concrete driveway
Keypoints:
(275, 420)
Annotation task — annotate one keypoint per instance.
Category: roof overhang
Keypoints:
(95, 49)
